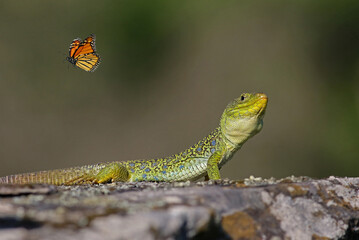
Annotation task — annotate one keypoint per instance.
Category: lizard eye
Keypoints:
(242, 98)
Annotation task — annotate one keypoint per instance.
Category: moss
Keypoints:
(240, 226)
(317, 237)
(296, 190)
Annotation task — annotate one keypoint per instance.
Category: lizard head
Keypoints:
(243, 118)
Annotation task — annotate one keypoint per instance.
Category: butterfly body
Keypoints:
(83, 54)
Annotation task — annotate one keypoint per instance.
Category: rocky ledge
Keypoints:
(290, 208)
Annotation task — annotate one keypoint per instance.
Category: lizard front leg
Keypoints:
(212, 165)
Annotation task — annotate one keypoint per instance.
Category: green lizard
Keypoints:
(242, 119)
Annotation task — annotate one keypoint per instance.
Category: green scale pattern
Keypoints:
(190, 164)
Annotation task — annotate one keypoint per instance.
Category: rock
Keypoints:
(256, 208)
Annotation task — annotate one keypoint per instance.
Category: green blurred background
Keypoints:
(168, 70)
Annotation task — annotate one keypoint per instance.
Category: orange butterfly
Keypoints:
(83, 54)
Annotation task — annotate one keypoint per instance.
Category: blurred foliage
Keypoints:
(168, 69)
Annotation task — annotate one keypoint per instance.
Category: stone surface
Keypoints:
(290, 208)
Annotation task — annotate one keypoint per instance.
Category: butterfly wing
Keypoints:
(88, 62)
(74, 48)
(88, 45)
(85, 47)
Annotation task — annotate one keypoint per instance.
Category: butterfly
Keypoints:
(83, 54)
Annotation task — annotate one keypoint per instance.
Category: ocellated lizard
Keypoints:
(242, 119)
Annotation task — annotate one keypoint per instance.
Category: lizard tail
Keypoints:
(55, 177)
(47, 177)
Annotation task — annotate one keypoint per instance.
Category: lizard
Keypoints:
(241, 119)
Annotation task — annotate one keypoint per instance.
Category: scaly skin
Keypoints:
(242, 119)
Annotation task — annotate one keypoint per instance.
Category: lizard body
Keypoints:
(242, 119)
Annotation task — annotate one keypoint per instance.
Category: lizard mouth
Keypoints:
(260, 105)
